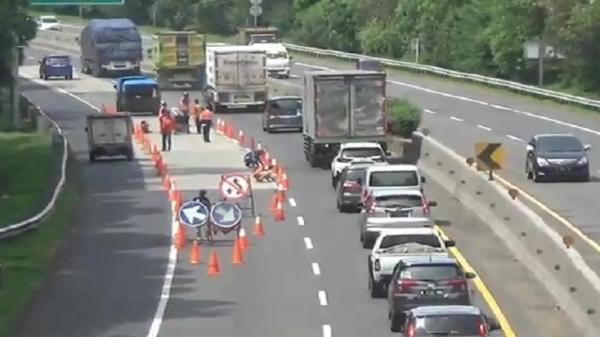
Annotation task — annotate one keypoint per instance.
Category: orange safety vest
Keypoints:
(206, 115)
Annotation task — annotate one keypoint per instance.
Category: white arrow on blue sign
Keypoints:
(194, 213)
(226, 215)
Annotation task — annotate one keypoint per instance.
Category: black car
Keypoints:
(425, 281)
(370, 65)
(557, 156)
(349, 187)
(448, 320)
(282, 113)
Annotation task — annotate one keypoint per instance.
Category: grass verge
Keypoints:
(24, 182)
(28, 259)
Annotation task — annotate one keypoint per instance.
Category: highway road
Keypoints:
(316, 251)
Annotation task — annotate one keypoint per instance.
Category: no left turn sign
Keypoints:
(235, 187)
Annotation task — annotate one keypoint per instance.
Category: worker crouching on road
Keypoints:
(206, 120)
(167, 125)
(197, 112)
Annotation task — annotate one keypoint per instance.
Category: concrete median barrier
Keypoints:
(561, 270)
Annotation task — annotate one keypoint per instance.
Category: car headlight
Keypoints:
(542, 162)
(582, 161)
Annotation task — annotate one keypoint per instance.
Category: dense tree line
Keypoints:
(482, 36)
(16, 28)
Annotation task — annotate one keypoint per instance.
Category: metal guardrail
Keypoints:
(32, 222)
(415, 67)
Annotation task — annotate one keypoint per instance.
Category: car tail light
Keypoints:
(377, 265)
(458, 284)
(405, 284)
(351, 186)
(482, 330)
(410, 330)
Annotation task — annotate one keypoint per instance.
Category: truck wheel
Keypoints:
(92, 158)
(396, 321)
(375, 288)
(314, 162)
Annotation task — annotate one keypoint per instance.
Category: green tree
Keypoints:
(16, 28)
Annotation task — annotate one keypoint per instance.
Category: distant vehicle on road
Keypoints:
(111, 46)
(56, 66)
(138, 94)
(400, 203)
(426, 281)
(349, 152)
(348, 184)
(391, 178)
(557, 156)
(371, 225)
(278, 59)
(282, 113)
(371, 65)
(448, 321)
(109, 135)
(48, 22)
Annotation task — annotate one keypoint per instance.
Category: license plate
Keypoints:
(431, 292)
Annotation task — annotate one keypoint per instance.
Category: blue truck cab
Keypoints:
(137, 95)
(56, 66)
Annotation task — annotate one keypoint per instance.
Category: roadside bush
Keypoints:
(404, 117)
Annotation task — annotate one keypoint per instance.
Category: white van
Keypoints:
(278, 59)
(391, 178)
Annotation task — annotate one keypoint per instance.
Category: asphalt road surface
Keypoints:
(314, 254)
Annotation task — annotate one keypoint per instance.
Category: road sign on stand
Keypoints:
(235, 186)
(489, 157)
(256, 10)
(226, 216)
(238, 187)
(194, 214)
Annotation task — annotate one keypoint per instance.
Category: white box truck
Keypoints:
(236, 78)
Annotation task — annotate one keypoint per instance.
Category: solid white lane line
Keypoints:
(326, 330)
(322, 298)
(430, 111)
(515, 138)
(456, 119)
(316, 269)
(308, 243)
(293, 202)
(300, 221)
(483, 127)
(165, 294)
(61, 90)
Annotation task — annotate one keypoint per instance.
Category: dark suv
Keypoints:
(425, 281)
(557, 156)
(446, 321)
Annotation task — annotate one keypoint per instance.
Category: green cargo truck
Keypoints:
(178, 59)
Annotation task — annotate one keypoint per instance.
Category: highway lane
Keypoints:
(343, 264)
(108, 281)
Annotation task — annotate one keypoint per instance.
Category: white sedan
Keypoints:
(355, 152)
(48, 22)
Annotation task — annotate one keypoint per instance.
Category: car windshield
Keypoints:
(280, 55)
(355, 174)
(263, 38)
(361, 153)
(424, 239)
(141, 91)
(118, 35)
(393, 178)
(559, 144)
(460, 324)
(399, 201)
(431, 272)
(286, 107)
(58, 61)
(49, 20)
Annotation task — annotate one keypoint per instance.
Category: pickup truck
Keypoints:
(395, 244)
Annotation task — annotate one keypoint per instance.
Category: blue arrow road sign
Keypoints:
(225, 215)
(194, 214)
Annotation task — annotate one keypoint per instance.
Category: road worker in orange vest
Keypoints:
(206, 119)
(197, 112)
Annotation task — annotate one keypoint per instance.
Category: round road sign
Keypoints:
(225, 215)
(234, 187)
(256, 2)
(255, 10)
(194, 214)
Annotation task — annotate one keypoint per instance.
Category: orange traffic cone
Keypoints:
(237, 257)
(172, 191)
(180, 238)
(244, 241)
(274, 201)
(279, 214)
(259, 229)
(167, 182)
(241, 138)
(259, 146)
(196, 254)
(280, 192)
(285, 181)
(213, 264)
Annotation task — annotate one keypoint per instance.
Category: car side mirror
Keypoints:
(470, 275)
(450, 243)
(530, 147)
(587, 147)
(423, 180)
(493, 323)
(432, 203)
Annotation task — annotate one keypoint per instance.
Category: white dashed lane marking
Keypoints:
(515, 138)
(430, 111)
(293, 202)
(483, 127)
(326, 330)
(456, 119)
(316, 269)
(300, 221)
(322, 298)
(308, 243)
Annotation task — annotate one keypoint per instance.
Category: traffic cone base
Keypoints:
(259, 229)
(279, 213)
(195, 255)
(213, 264)
(244, 241)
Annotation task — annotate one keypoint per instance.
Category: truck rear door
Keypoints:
(369, 105)
(251, 69)
(109, 130)
(332, 107)
(226, 69)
